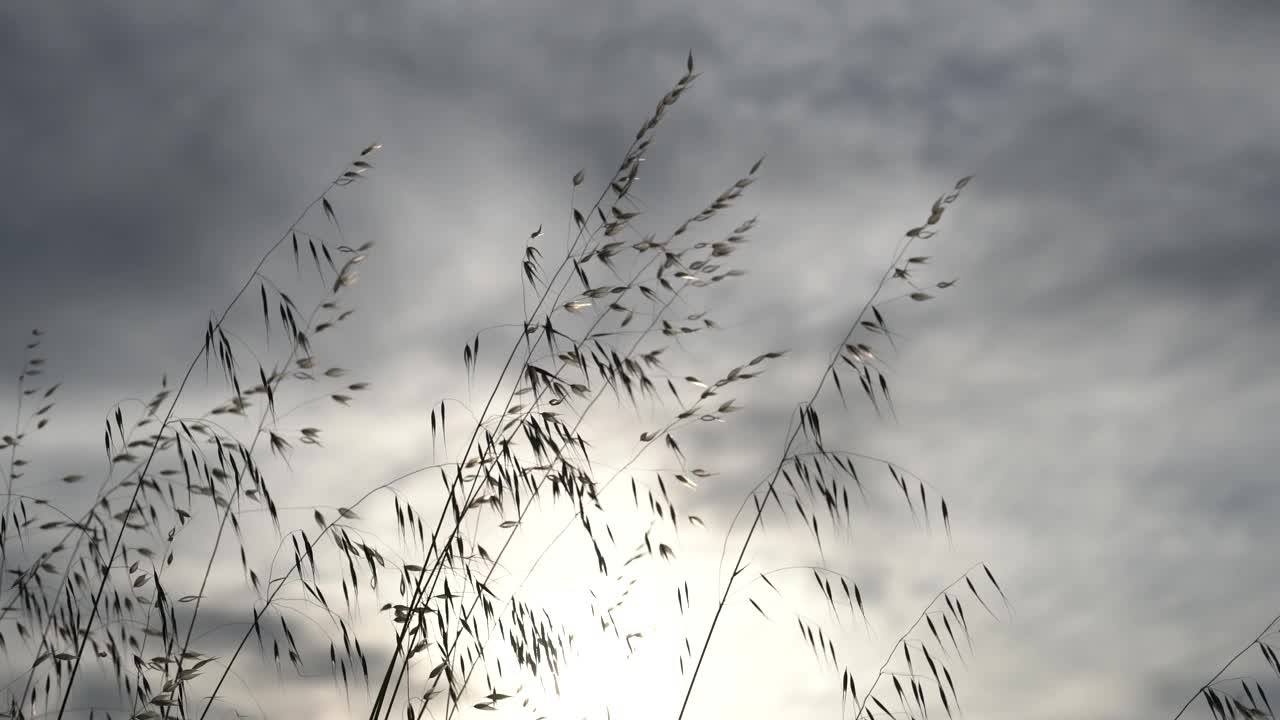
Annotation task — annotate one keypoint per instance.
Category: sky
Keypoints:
(1091, 395)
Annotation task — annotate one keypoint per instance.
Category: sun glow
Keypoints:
(623, 662)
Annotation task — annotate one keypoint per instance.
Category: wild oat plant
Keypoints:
(1243, 696)
(411, 598)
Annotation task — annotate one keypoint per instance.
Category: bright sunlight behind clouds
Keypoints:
(1093, 396)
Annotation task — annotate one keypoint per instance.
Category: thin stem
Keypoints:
(434, 572)
(429, 572)
(13, 458)
(1218, 674)
(222, 524)
(124, 523)
(520, 516)
(297, 566)
(641, 334)
(786, 452)
(903, 638)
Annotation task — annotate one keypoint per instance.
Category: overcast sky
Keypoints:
(1093, 394)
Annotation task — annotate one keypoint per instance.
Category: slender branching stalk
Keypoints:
(807, 421)
(1223, 703)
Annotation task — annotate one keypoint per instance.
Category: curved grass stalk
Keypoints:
(801, 425)
(202, 353)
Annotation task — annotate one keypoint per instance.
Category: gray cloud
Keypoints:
(1093, 395)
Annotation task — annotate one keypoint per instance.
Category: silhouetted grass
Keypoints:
(116, 591)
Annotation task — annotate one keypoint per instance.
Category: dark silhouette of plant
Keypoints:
(117, 590)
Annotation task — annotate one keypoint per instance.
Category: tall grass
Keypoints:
(1221, 697)
(104, 589)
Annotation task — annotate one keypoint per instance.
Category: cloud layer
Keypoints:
(1093, 394)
